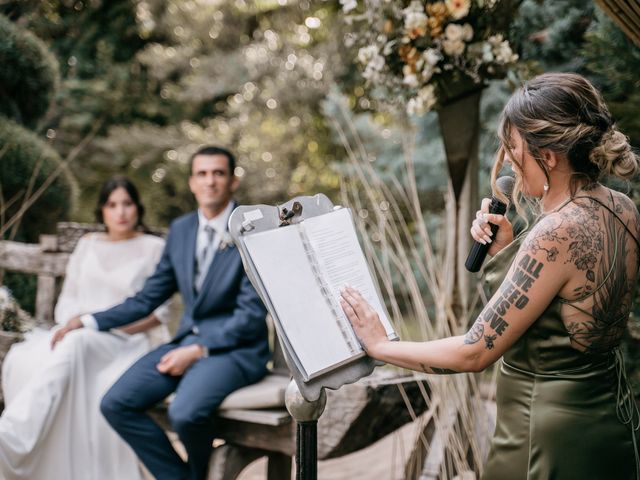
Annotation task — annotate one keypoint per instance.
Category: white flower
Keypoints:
(410, 79)
(373, 61)
(5, 296)
(388, 47)
(453, 32)
(467, 32)
(501, 50)
(377, 63)
(226, 241)
(495, 40)
(458, 8)
(373, 68)
(428, 71)
(350, 40)
(453, 48)
(432, 56)
(414, 16)
(348, 5)
(423, 102)
(365, 54)
(454, 37)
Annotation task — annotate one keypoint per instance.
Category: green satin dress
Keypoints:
(562, 414)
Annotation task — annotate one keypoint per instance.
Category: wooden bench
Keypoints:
(252, 422)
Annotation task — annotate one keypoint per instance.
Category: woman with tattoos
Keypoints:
(562, 294)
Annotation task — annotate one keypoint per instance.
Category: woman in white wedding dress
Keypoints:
(51, 428)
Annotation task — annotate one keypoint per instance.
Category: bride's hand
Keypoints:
(60, 333)
(365, 321)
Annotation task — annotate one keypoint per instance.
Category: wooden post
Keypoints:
(45, 300)
(46, 294)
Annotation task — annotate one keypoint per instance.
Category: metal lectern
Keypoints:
(305, 400)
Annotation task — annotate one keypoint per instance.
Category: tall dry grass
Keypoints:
(412, 277)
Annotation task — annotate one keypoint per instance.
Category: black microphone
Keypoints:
(478, 250)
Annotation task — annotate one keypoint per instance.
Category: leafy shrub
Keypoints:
(28, 77)
(24, 155)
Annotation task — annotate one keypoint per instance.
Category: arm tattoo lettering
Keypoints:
(512, 294)
(437, 370)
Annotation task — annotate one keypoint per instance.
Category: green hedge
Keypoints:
(21, 153)
(28, 76)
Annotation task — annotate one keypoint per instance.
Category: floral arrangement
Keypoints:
(12, 317)
(423, 53)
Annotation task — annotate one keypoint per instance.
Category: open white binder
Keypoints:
(298, 255)
(303, 266)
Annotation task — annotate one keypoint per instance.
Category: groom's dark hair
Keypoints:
(214, 150)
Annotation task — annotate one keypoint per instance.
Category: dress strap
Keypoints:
(626, 407)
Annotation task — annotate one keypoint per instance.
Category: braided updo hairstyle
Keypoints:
(565, 113)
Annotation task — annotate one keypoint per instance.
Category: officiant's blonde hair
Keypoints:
(565, 113)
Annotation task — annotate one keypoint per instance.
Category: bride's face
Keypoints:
(120, 213)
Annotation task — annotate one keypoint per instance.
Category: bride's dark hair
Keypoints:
(107, 189)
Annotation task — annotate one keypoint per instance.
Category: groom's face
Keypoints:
(212, 183)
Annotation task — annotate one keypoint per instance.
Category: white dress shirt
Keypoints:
(219, 225)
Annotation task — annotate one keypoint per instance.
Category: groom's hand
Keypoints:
(177, 361)
(59, 334)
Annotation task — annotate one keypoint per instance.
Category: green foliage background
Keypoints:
(29, 79)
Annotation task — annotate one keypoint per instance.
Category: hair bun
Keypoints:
(614, 155)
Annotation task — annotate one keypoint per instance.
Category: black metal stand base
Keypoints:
(307, 451)
(306, 414)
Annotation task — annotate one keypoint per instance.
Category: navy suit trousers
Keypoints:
(199, 392)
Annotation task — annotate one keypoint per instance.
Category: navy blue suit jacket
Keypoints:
(227, 314)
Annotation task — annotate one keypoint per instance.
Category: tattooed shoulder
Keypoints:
(547, 236)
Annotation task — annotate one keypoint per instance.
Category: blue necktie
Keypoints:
(203, 257)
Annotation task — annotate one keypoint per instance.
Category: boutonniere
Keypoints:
(226, 241)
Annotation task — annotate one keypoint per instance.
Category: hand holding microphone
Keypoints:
(491, 230)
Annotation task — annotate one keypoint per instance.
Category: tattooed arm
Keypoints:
(536, 276)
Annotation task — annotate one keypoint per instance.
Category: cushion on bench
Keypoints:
(267, 393)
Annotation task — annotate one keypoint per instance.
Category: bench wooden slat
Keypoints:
(262, 417)
(29, 258)
(270, 438)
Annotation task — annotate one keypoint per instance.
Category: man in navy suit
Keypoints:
(220, 345)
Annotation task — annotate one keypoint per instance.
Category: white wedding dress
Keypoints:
(52, 428)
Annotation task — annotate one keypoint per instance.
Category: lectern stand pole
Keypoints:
(306, 414)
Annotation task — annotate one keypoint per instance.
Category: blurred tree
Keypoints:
(551, 33)
(248, 75)
(36, 189)
(612, 61)
(102, 83)
(167, 76)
